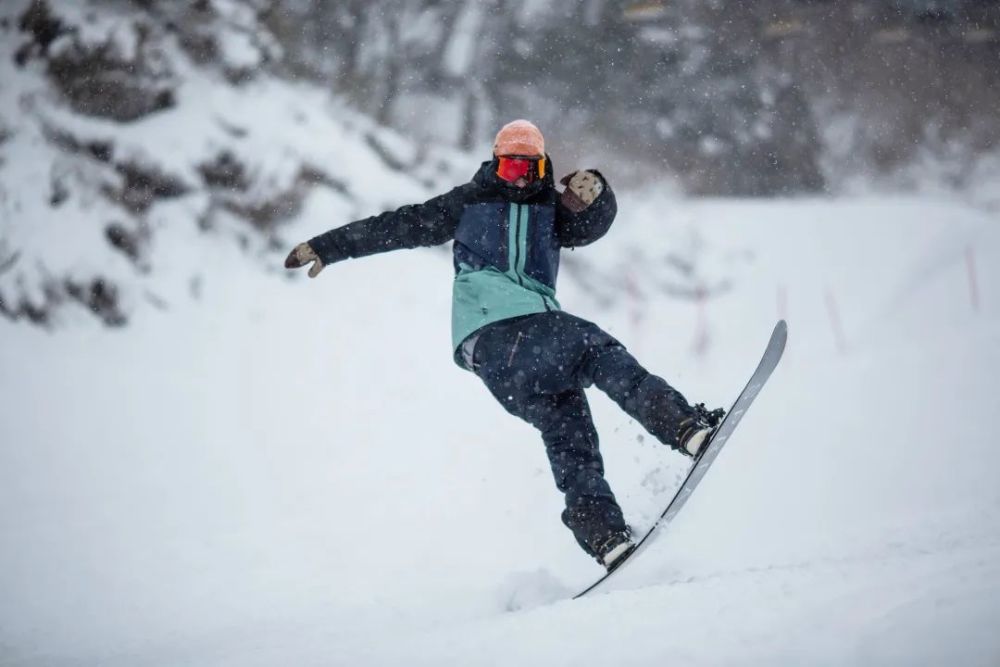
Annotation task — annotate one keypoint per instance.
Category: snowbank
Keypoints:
(294, 471)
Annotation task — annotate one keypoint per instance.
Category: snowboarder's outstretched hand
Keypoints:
(301, 255)
(582, 188)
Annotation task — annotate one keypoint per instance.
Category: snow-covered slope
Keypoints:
(263, 469)
(102, 187)
(293, 472)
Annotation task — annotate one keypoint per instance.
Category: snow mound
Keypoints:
(295, 471)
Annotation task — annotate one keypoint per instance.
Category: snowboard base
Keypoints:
(769, 361)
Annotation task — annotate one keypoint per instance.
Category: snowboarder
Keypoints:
(508, 225)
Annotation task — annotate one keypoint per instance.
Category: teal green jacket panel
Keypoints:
(489, 295)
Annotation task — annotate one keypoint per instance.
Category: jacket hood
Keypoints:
(487, 179)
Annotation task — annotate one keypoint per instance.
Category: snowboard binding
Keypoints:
(696, 431)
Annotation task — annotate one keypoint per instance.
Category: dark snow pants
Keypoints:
(537, 367)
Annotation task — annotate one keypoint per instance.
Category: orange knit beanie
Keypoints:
(519, 137)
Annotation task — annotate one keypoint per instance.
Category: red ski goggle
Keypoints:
(513, 167)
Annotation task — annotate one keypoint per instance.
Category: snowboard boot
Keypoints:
(615, 550)
(695, 431)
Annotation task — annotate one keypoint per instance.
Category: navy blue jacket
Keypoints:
(507, 242)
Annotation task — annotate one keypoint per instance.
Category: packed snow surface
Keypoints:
(262, 469)
(286, 471)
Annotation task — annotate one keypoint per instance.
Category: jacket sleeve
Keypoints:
(590, 224)
(427, 224)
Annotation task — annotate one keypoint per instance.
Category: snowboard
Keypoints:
(772, 355)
